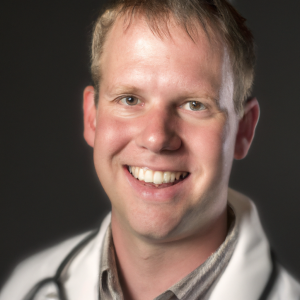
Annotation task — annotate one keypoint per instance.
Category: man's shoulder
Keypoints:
(41, 265)
(250, 268)
(286, 286)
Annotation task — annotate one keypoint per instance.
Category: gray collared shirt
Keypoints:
(194, 286)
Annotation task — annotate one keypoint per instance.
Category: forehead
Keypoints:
(135, 51)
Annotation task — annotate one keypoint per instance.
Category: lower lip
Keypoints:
(156, 194)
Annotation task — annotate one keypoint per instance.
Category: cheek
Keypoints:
(206, 144)
(218, 149)
(114, 142)
(106, 143)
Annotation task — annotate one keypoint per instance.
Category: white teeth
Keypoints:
(149, 176)
(141, 174)
(135, 171)
(167, 177)
(156, 177)
(172, 179)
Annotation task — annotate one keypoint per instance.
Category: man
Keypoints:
(168, 113)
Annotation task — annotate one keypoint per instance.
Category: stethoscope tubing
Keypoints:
(56, 278)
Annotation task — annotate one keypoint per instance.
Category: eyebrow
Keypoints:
(123, 89)
(206, 96)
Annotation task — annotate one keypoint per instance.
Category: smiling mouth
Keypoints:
(157, 178)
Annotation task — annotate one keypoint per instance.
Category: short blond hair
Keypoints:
(214, 16)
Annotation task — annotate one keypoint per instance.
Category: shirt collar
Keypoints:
(110, 287)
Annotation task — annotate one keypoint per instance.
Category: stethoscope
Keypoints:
(56, 279)
(60, 294)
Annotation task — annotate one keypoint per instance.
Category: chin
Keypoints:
(154, 224)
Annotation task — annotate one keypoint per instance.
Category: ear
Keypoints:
(246, 128)
(89, 115)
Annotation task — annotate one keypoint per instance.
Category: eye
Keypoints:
(130, 100)
(194, 105)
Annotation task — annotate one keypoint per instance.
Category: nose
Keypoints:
(159, 132)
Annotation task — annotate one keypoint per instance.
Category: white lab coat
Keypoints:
(244, 278)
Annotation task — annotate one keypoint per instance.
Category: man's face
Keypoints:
(165, 107)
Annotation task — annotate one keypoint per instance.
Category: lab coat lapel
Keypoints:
(82, 277)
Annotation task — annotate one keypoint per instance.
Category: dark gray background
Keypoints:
(49, 189)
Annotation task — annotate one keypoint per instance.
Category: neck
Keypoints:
(147, 269)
